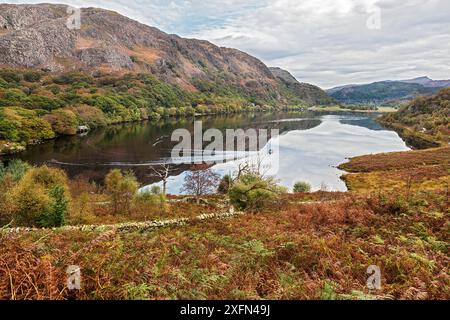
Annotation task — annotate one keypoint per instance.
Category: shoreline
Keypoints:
(382, 110)
(20, 147)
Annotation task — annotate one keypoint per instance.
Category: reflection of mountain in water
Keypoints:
(296, 124)
(137, 146)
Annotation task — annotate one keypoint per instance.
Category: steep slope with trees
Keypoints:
(37, 36)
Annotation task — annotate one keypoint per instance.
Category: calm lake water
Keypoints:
(309, 148)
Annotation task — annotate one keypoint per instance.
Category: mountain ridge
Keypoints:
(310, 93)
(388, 92)
(36, 36)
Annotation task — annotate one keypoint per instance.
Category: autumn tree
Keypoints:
(40, 198)
(201, 180)
(302, 186)
(122, 189)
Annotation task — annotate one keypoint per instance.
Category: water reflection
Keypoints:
(313, 154)
(311, 145)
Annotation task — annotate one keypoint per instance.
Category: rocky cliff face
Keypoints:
(37, 36)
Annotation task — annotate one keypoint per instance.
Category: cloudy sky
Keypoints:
(325, 42)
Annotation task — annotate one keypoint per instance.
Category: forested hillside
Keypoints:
(37, 105)
(423, 121)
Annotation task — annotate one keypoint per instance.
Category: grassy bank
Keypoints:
(410, 170)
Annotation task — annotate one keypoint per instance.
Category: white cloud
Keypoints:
(324, 42)
(328, 43)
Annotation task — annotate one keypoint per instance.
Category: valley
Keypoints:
(358, 176)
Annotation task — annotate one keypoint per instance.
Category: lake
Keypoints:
(309, 148)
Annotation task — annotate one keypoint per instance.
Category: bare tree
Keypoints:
(163, 172)
(200, 181)
(243, 168)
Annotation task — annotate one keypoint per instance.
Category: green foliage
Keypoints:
(47, 177)
(156, 190)
(32, 76)
(31, 202)
(70, 78)
(423, 123)
(17, 124)
(122, 188)
(254, 193)
(3, 83)
(36, 106)
(302, 187)
(63, 122)
(152, 197)
(16, 169)
(40, 198)
(10, 76)
(58, 208)
(328, 291)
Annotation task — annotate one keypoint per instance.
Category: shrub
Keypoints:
(302, 187)
(3, 83)
(47, 177)
(90, 116)
(156, 190)
(17, 124)
(150, 198)
(31, 202)
(8, 129)
(7, 204)
(32, 76)
(40, 198)
(42, 102)
(253, 192)
(16, 169)
(122, 189)
(55, 216)
(10, 75)
(63, 122)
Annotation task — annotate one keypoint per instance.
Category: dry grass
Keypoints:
(298, 251)
(398, 160)
(92, 206)
(148, 55)
(412, 170)
(86, 43)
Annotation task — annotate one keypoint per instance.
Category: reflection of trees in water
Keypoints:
(102, 149)
(304, 124)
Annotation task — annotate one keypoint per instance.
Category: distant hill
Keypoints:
(429, 83)
(388, 92)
